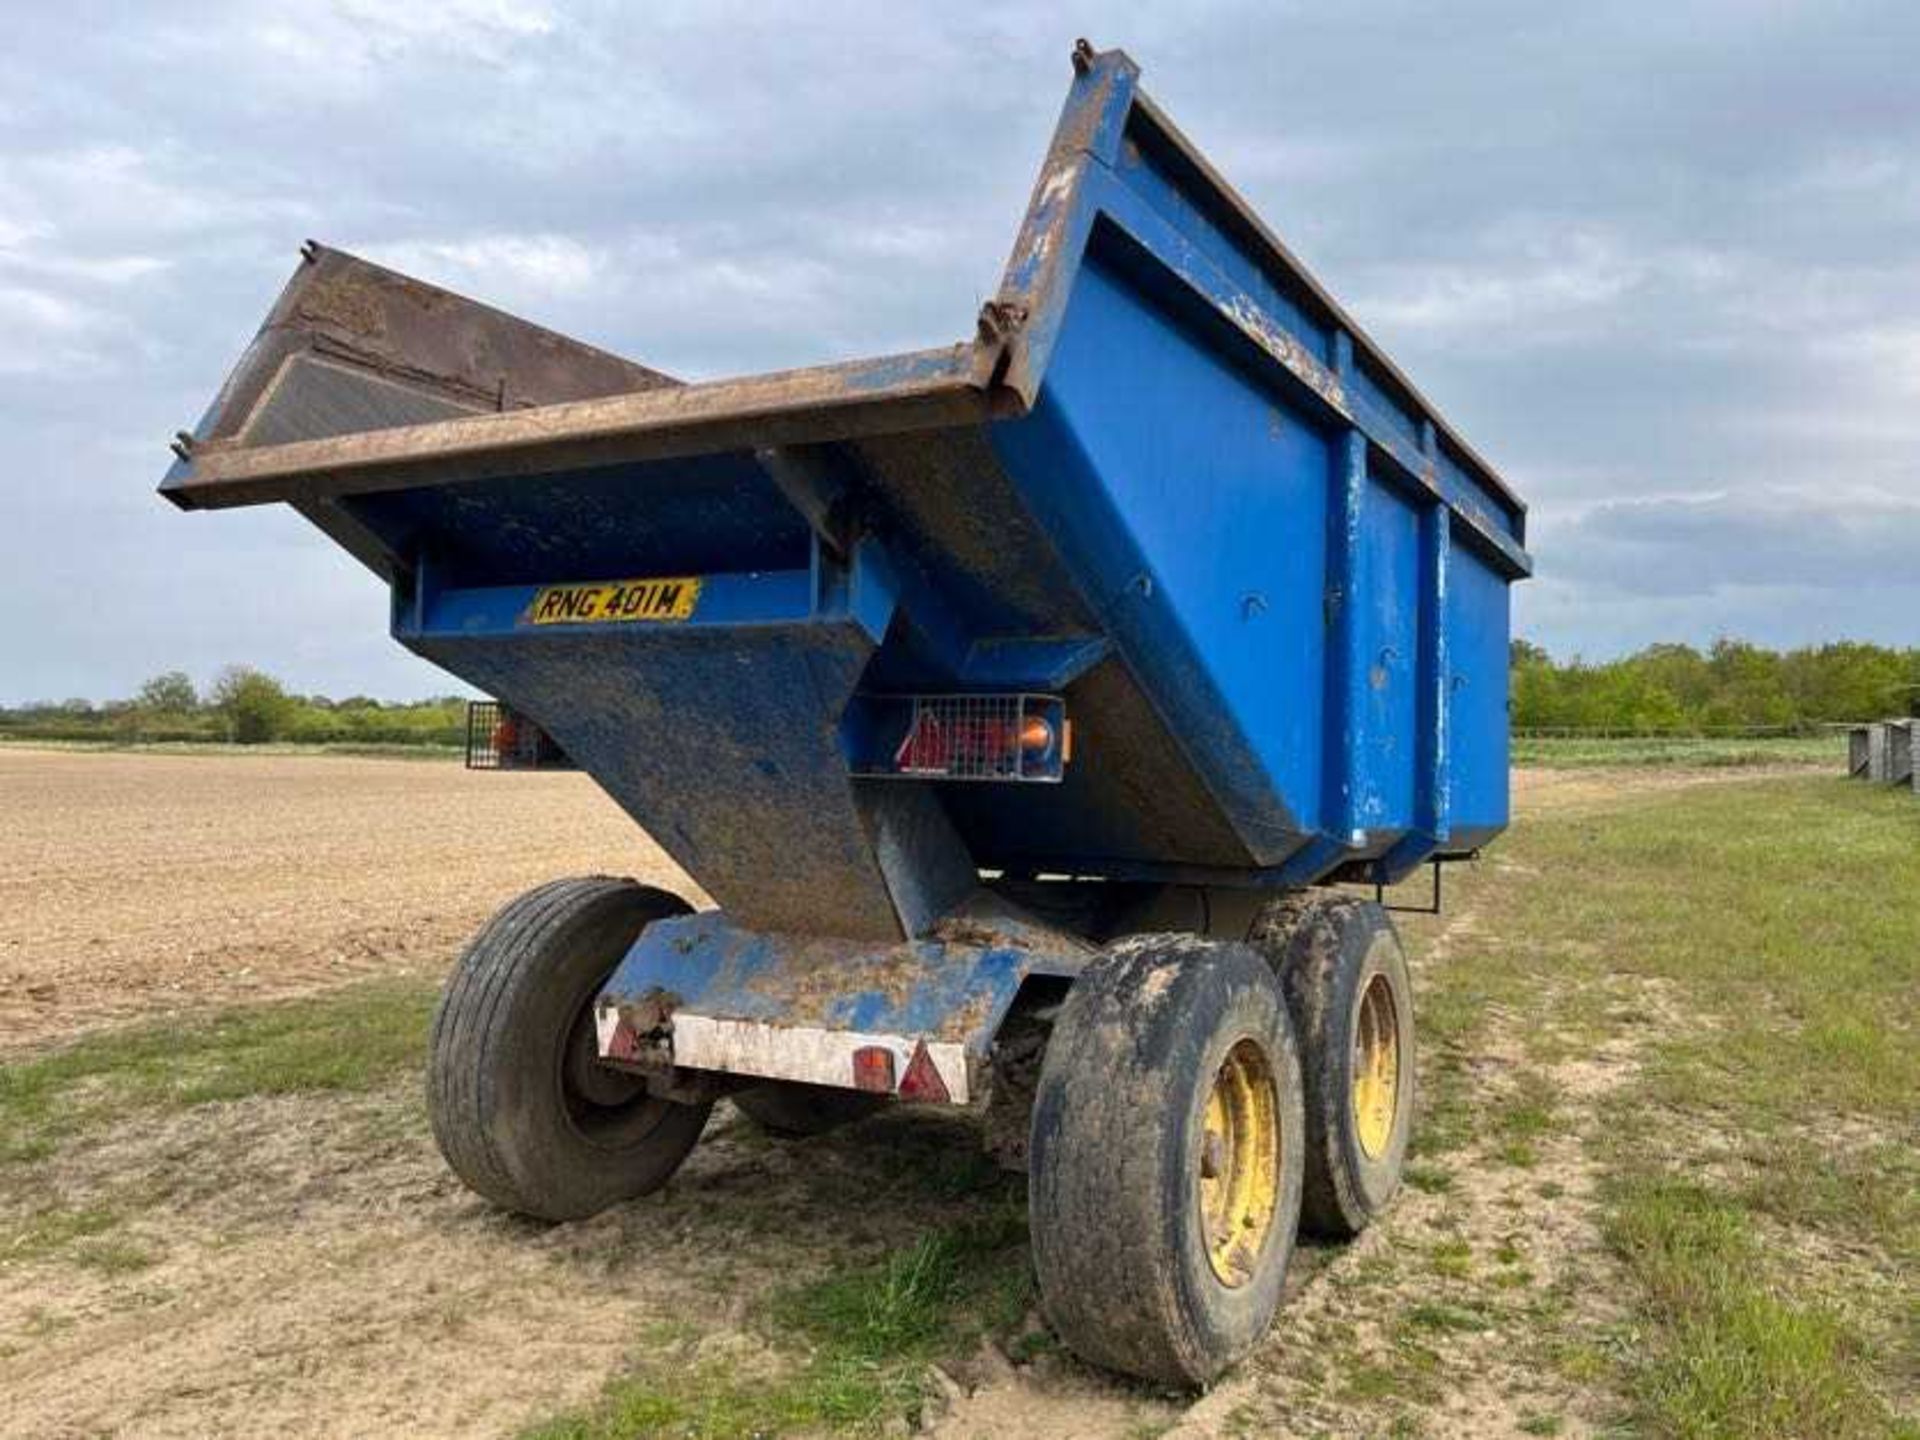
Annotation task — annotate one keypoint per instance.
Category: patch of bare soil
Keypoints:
(1051, 1399)
(134, 886)
(318, 1272)
(1543, 790)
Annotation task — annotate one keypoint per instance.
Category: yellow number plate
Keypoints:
(672, 598)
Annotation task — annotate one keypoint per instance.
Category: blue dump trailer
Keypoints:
(1022, 704)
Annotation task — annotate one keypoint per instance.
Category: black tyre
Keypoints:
(1346, 982)
(1165, 1173)
(521, 1107)
(793, 1111)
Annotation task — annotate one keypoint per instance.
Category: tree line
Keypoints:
(1661, 690)
(1732, 685)
(243, 706)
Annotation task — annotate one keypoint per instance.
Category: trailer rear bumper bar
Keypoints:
(917, 1019)
(910, 1066)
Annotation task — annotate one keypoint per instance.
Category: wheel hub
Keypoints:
(1376, 1069)
(586, 1080)
(1238, 1165)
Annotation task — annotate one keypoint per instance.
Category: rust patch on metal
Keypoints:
(1254, 322)
(964, 930)
(833, 402)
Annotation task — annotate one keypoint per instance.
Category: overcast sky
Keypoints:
(1659, 263)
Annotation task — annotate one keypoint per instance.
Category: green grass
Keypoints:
(1785, 914)
(1439, 1315)
(1760, 942)
(1428, 1179)
(350, 1040)
(52, 1228)
(911, 1301)
(34, 1226)
(1704, 752)
(1452, 1259)
(1870, 1188)
(1734, 1355)
(1523, 1118)
(855, 1345)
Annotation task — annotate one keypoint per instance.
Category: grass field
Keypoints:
(1699, 1010)
(1827, 749)
(1667, 1184)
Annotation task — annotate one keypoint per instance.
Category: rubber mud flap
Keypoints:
(1122, 1125)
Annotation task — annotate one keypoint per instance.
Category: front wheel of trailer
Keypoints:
(521, 1107)
(1165, 1173)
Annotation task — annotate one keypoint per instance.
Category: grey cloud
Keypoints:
(1657, 261)
(1702, 545)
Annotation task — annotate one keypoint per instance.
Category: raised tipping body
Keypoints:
(1162, 596)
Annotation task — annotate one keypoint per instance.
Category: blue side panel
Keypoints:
(1203, 498)
(1386, 755)
(1477, 630)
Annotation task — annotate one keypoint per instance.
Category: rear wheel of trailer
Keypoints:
(1351, 998)
(1167, 1146)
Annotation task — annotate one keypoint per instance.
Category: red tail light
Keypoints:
(873, 1069)
(982, 737)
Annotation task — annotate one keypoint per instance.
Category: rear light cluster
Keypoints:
(873, 1069)
(500, 738)
(873, 1072)
(969, 737)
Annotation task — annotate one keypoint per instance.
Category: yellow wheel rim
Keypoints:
(1376, 1068)
(1239, 1163)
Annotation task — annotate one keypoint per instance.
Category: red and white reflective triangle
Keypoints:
(922, 1080)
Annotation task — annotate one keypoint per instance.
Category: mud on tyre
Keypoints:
(1345, 976)
(1166, 1158)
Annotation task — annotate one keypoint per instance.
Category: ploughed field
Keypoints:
(134, 886)
(1666, 1180)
